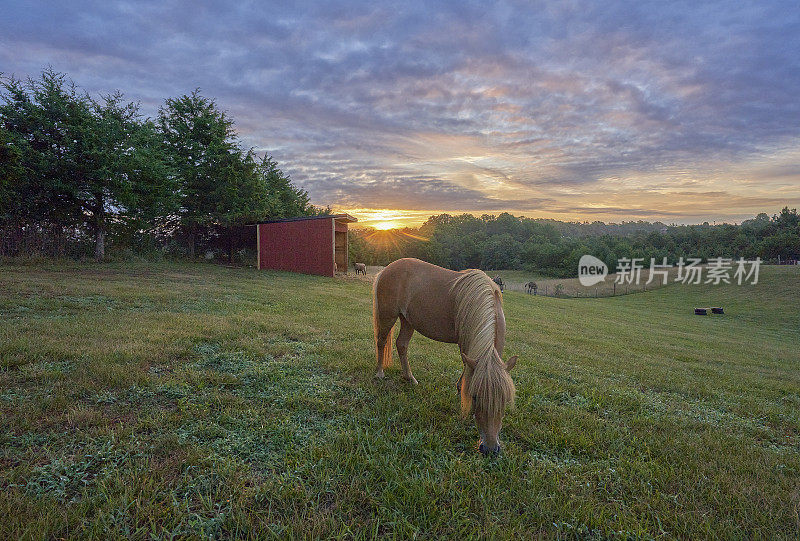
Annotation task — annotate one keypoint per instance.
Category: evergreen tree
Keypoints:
(124, 169)
(285, 199)
(79, 161)
(220, 185)
(204, 154)
(42, 122)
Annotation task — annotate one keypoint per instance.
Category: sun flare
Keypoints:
(387, 225)
(386, 219)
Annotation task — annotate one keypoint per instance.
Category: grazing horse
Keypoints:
(464, 308)
(361, 268)
(499, 281)
(531, 287)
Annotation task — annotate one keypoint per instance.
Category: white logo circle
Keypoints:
(591, 270)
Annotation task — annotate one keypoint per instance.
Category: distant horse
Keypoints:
(531, 287)
(464, 308)
(361, 268)
(499, 281)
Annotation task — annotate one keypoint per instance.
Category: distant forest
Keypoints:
(553, 247)
(81, 176)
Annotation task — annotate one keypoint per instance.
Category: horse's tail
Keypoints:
(384, 354)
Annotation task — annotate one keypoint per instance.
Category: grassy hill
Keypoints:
(195, 400)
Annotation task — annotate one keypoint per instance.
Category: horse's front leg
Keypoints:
(403, 338)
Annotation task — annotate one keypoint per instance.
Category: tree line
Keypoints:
(80, 175)
(553, 247)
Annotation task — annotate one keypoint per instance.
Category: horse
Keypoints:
(361, 268)
(531, 287)
(499, 281)
(464, 308)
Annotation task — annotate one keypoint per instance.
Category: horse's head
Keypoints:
(486, 388)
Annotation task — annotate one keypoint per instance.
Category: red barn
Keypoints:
(310, 244)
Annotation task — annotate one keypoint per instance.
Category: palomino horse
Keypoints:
(464, 308)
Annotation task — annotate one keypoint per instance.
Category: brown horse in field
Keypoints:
(464, 308)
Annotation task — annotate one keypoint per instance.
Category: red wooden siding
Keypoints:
(299, 246)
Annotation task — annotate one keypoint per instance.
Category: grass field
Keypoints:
(177, 400)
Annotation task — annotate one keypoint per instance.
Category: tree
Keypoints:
(11, 174)
(241, 196)
(153, 186)
(41, 120)
(76, 168)
(787, 219)
(501, 252)
(82, 160)
(205, 156)
(220, 186)
(11, 169)
(285, 199)
(124, 169)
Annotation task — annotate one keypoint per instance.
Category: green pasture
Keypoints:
(142, 400)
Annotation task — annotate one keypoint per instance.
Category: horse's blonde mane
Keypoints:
(475, 296)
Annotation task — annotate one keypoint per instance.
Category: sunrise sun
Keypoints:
(387, 225)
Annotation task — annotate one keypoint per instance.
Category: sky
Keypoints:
(681, 112)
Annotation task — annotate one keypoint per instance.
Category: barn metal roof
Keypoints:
(340, 217)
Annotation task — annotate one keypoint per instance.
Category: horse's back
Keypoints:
(411, 267)
(421, 293)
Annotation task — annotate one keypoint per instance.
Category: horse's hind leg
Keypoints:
(406, 330)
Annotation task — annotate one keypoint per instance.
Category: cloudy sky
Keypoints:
(676, 111)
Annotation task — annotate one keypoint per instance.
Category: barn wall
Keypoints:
(300, 246)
